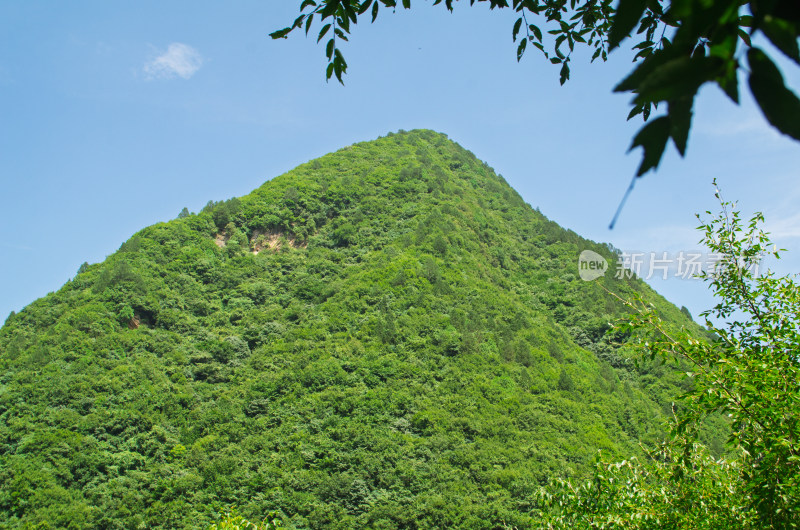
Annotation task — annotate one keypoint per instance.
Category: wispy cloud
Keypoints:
(785, 227)
(661, 238)
(17, 247)
(180, 60)
(747, 123)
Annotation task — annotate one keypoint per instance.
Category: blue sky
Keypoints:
(117, 115)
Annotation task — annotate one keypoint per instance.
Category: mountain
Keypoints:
(385, 337)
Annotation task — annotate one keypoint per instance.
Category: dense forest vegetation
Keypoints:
(385, 337)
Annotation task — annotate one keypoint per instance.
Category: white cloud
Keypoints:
(660, 238)
(747, 123)
(180, 60)
(785, 227)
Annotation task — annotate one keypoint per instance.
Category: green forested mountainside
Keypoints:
(385, 337)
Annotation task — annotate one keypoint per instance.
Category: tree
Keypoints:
(750, 373)
(565, 381)
(680, 46)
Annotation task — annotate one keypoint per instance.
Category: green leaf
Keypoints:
(364, 7)
(779, 105)
(636, 110)
(745, 36)
(374, 11)
(564, 75)
(652, 138)
(350, 14)
(339, 33)
(280, 34)
(680, 117)
(298, 22)
(309, 20)
(678, 78)
(344, 23)
(323, 31)
(337, 70)
(559, 41)
(729, 81)
(339, 65)
(330, 8)
(515, 31)
(521, 48)
(645, 68)
(625, 19)
(783, 34)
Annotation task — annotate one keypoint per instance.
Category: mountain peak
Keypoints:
(386, 336)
